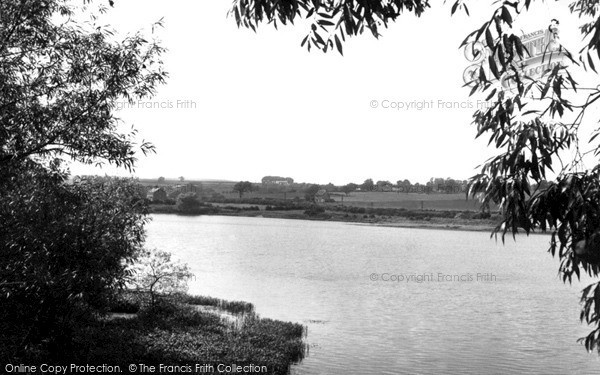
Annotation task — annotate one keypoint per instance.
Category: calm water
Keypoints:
(318, 274)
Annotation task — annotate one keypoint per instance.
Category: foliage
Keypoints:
(310, 192)
(234, 307)
(244, 187)
(331, 21)
(368, 185)
(64, 246)
(314, 210)
(60, 82)
(532, 140)
(156, 275)
(182, 335)
(349, 188)
(188, 203)
(189, 336)
(535, 125)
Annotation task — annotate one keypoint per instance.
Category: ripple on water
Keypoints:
(317, 273)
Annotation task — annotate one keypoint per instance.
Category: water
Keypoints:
(522, 321)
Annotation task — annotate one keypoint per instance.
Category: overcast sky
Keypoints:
(259, 104)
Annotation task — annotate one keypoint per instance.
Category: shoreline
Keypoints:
(469, 225)
(182, 329)
(435, 223)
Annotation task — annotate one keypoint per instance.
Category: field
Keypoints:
(410, 201)
(413, 201)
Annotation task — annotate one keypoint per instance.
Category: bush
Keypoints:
(126, 304)
(482, 215)
(64, 251)
(188, 203)
(314, 210)
(157, 275)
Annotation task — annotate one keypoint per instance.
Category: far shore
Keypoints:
(459, 224)
(439, 223)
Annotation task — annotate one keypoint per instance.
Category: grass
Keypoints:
(411, 201)
(176, 333)
(374, 199)
(233, 307)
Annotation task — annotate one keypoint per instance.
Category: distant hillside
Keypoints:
(176, 181)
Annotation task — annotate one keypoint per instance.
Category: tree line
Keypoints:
(66, 246)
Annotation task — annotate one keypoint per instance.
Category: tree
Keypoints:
(64, 246)
(383, 185)
(310, 192)
(161, 180)
(244, 187)
(188, 203)
(331, 21)
(368, 185)
(404, 185)
(181, 178)
(349, 188)
(157, 275)
(527, 124)
(69, 77)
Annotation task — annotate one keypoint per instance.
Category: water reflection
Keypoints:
(318, 274)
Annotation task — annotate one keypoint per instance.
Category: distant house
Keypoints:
(322, 196)
(157, 195)
(276, 180)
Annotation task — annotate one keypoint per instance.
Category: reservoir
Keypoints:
(391, 300)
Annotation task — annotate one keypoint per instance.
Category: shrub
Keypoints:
(314, 210)
(64, 251)
(188, 203)
(157, 275)
(482, 215)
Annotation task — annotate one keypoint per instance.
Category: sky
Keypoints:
(240, 105)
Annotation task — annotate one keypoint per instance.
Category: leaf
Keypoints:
(319, 39)
(466, 40)
(493, 67)
(546, 88)
(506, 16)
(482, 76)
(304, 41)
(488, 38)
(325, 23)
(454, 7)
(518, 45)
(338, 45)
(590, 62)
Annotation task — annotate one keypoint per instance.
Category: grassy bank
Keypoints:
(184, 331)
(397, 217)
